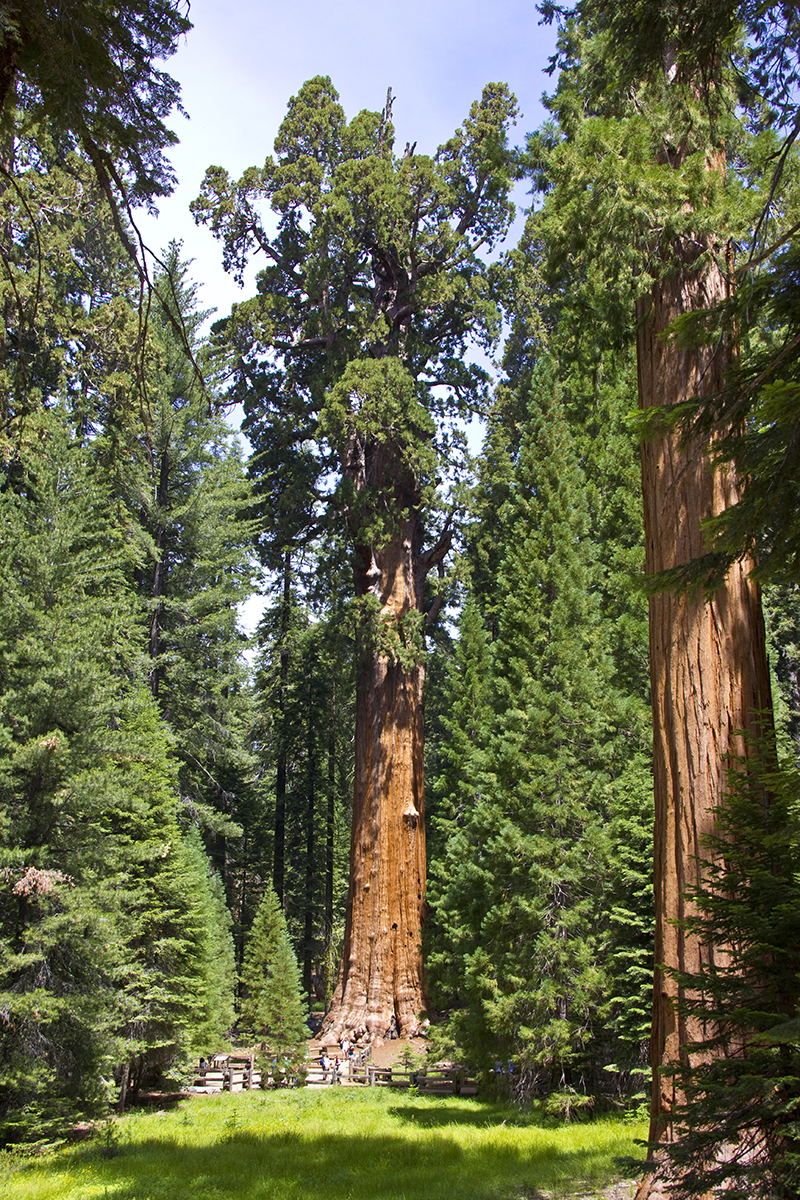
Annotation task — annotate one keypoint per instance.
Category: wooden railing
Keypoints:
(237, 1075)
(429, 1082)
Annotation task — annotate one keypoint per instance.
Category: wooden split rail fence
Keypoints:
(233, 1075)
(441, 1082)
(238, 1075)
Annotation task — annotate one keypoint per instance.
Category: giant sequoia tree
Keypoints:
(646, 122)
(353, 346)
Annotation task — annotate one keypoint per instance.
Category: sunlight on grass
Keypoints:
(341, 1143)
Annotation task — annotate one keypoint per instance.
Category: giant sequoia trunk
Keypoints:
(380, 986)
(708, 665)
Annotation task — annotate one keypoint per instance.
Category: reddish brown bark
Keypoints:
(380, 983)
(708, 665)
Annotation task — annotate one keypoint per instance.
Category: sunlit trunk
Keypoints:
(380, 986)
(708, 665)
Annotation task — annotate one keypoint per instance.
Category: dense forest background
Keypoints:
(175, 801)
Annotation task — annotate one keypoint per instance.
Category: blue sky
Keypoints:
(243, 60)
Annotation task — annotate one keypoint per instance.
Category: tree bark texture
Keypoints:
(380, 984)
(279, 851)
(708, 666)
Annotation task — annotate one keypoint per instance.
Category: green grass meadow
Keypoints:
(336, 1144)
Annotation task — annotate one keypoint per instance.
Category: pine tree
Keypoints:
(740, 1081)
(262, 947)
(215, 973)
(105, 946)
(90, 72)
(283, 1030)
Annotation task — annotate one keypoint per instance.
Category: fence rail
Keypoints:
(238, 1075)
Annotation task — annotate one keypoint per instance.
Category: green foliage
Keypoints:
(782, 616)
(214, 971)
(281, 1005)
(109, 930)
(181, 476)
(262, 948)
(521, 883)
(272, 1004)
(372, 288)
(70, 329)
(89, 70)
(741, 1076)
(305, 693)
(652, 103)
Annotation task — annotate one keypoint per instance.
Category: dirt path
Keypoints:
(384, 1055)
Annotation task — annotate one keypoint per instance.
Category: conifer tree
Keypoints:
(740, 1082)
(262, 946)
(105, 965)
(522, 905)
(283, 1029)
(647, 152)
(215, 973)
(272, 1003)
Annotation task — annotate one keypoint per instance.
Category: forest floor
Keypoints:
(340, 1143)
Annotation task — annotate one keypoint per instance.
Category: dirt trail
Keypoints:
(385, 1054)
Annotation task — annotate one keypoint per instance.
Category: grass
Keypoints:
(341, 1143)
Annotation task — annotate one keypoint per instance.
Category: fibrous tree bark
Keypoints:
(380, 984)
(708, 666)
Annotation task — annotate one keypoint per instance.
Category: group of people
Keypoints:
(335, 1068)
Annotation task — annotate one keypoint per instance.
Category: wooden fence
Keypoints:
(238, 1075)
(229, 1075)
(428, 1082)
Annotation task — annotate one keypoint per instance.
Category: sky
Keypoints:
(243, 60)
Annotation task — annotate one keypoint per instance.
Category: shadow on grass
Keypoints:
(294, 1166)
(483, 1116)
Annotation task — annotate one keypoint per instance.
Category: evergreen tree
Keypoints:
(89, 71)
(215, 974)
(106, 947)
(180, 473)
(740, 1078)
(262, 947)
(283, 1028)
(464, 724)
(653, 147)
(272, 1003)
(782, 612)
(70, 332)
(521, 905)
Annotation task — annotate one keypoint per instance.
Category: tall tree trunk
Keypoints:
(330, 829)
(708, 665)
(279, 852)
(308, 916)
(380, 984)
